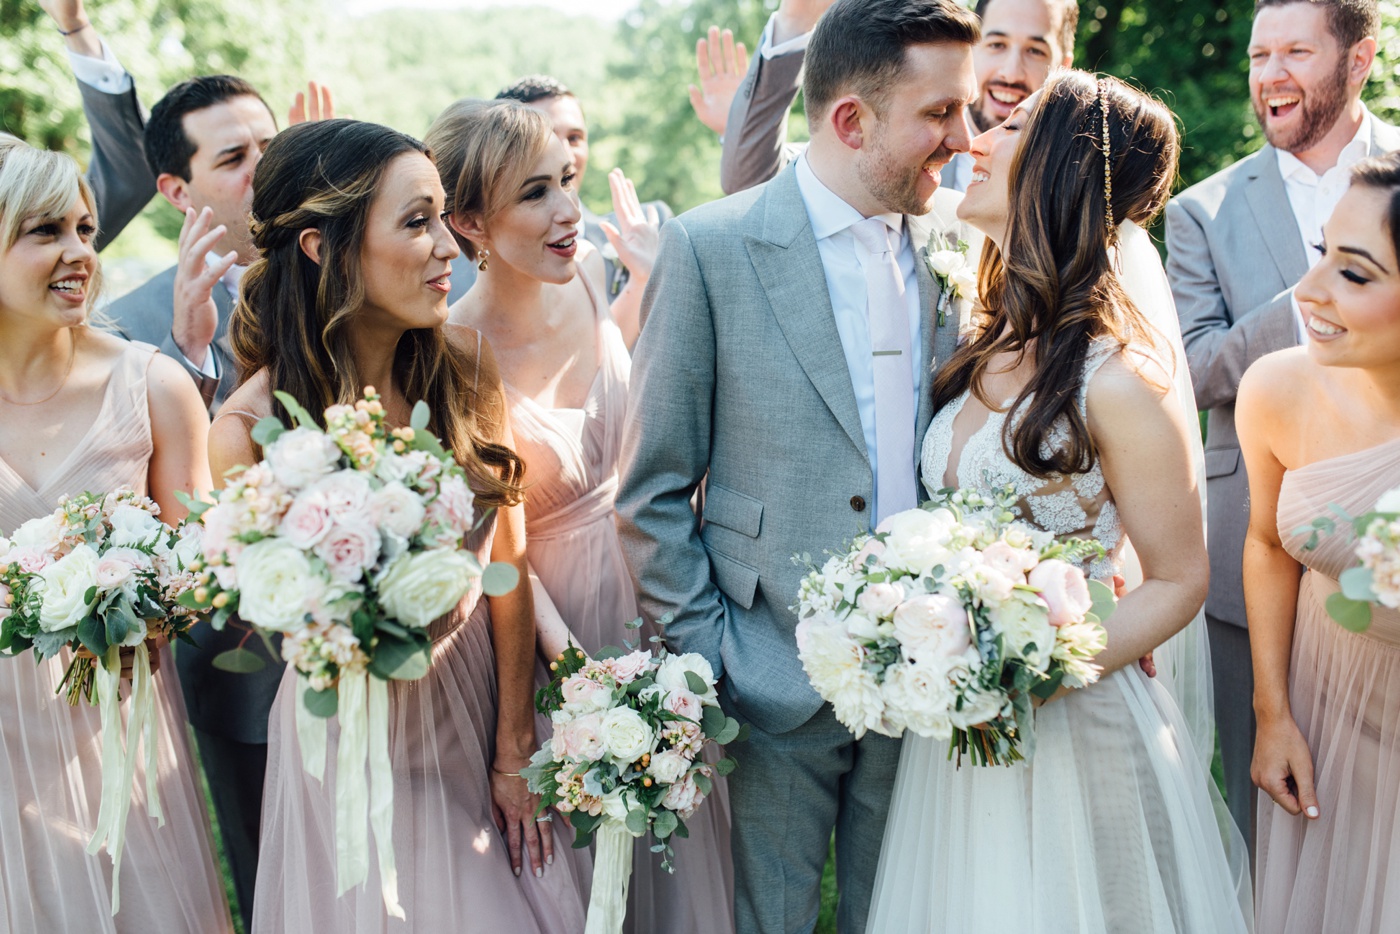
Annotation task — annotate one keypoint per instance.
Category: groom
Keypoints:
(790, 341)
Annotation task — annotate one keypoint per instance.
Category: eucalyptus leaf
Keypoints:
(637, 821)
(703, 782)
(418, 421)
(713, 722)
(400, 659)
(499, 579)
(697, 684)
(321, 704)
(729, 733)
(664, 825)
(1354, 615)
(299, 415)
(1104, 600)
(268, 430)
(93, 635)
(239, 661)
(724, 766)
(607, 652)
(1357, 584)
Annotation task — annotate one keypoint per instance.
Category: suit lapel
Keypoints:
(787, 263)
(1278, 227)
(939, 340)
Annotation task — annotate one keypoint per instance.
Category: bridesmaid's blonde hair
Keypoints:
(39, 183)
(484, 151)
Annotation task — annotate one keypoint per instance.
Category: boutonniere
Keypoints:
(609, 253)
(949, 267)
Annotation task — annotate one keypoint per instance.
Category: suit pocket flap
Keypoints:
(1222, 462)
(735, 579)
(723, 506)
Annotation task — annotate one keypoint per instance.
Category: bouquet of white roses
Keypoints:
(1376, 580)
(947, 620)
(100, 574)
(348, 542)
(625, 757)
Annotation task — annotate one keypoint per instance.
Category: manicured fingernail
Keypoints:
(549, 860)
(1312, 811)
(517, 872)
(539, 873)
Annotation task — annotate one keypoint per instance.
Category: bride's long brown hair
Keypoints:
(294, 317)
(1052, 291)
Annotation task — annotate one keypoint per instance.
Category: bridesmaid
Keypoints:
(85, 411)
(540, 302)
(350, 290)
(1320, 426)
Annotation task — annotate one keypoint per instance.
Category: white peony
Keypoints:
(922, 695)
(418, 588)
(916, 539)
(277, 585)
(44, 533)
(880, 600)
(935, 624)
(133, 526)
(671, 675)
(669, 766)
(626, 735)
(1025, 621)
(397, 509)
(302, 456)
(66, 584)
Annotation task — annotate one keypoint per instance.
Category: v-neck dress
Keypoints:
(571, 457)
(51, 753)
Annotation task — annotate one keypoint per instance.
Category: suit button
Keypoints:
(858, 503)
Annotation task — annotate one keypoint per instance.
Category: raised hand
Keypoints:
(797, 17)
(71, 18)
(316, 103)
(637, 236)
(722, 64)
(196, 315)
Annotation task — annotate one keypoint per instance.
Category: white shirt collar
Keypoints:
(829, 213)
(1293, 168)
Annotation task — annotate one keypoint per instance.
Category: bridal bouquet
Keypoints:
(349, 542)
(947, 620)
(1376, 580)
(625, 757)
(100, 574)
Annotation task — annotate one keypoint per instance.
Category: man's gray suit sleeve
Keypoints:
(121, 180)
(755, 135)
(666, 451)
(1220, 345)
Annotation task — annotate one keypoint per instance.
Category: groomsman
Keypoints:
(1022, 40)
(1238, 242)
(121, 181)
(786, 362)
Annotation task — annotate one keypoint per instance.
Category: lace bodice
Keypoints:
(1078, 505)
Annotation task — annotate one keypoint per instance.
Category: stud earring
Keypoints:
(483, 256)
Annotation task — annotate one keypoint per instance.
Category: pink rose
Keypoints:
(308, 521)
(397, 509)
(349, 550)
(683, 797)
(1012, 562)
(220, 531)
(683, 704)
(1064, 590)
(880, 600)
(629, 667)
(585, 694)
(874, 548)
(30, 558)
(118, 566)
(453, 505)
(933, 623)
(578, 739)
(345, 495)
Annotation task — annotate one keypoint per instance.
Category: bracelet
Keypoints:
(74, 32)
(506, 774)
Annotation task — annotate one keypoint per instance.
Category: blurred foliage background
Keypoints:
(402, 66)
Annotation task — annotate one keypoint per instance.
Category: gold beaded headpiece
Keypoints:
(1107, 160)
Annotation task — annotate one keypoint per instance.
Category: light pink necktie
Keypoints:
(896, 488)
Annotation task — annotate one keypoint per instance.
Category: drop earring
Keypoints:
(482, 256)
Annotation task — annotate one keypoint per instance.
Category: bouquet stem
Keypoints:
(78, 679)
(612, 872)
(985, 746)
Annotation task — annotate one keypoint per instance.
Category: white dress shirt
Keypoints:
(106, 74)
(956, 174)
(1313, 197)
(843, 261)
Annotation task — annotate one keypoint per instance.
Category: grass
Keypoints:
(826, 920)
(225, 873)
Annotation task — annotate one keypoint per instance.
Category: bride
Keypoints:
(1072, 391)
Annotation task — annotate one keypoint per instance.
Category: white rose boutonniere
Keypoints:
(949, 267)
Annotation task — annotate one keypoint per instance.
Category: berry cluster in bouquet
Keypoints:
(1376, 580)
(626, 759)
(948, 620)
(103, 576)
(349, 541)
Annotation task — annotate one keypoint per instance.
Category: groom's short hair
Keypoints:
(1349, 21)
(858, 46)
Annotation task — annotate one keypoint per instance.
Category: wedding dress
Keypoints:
(1113, 824)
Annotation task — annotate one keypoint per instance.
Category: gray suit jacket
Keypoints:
(121, 180)
(146, 314)
(1233, 257)
(755, 135)
(739, 380)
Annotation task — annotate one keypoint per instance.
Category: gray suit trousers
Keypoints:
(822, 779)
(1233, 676)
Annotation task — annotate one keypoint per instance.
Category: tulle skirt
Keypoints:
(586, 575)
(1340, 872)
(1112, 825)
(50, 792)
(454, 869)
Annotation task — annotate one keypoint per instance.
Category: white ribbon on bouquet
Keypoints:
(612, 872)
